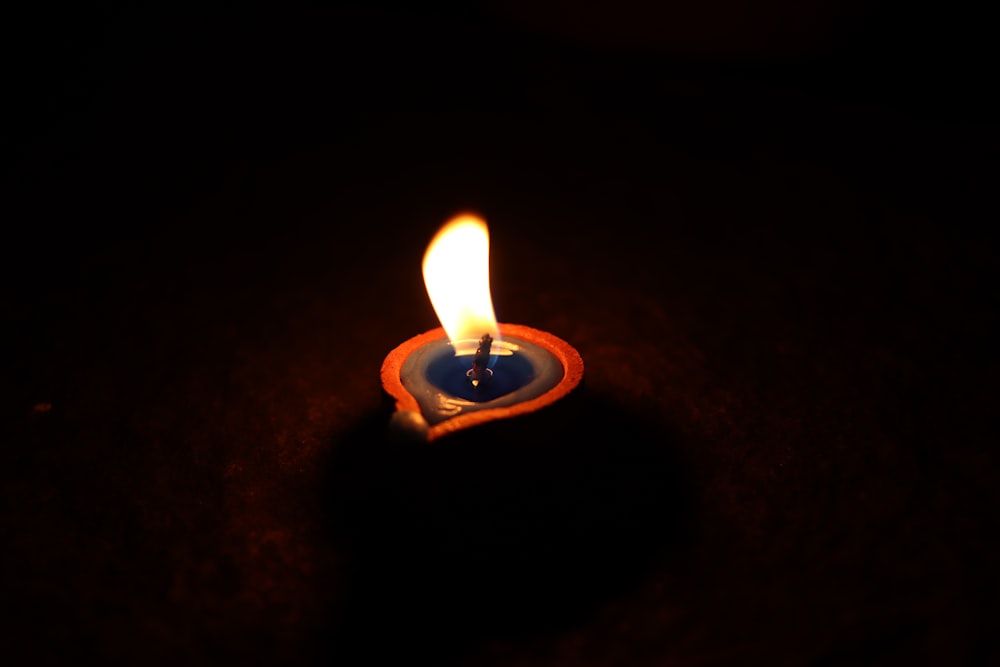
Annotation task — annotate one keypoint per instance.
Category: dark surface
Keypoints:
(777, 269)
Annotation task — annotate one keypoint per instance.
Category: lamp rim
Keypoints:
(565, 353)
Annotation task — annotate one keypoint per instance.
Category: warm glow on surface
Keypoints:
(457, 277)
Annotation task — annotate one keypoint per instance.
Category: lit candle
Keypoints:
(472, 369)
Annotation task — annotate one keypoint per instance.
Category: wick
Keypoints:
(480, 372)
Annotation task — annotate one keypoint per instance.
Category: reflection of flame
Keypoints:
(457, 277)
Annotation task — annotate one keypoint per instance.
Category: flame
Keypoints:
(457, 276)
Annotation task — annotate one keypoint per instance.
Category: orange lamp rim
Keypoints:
(567, 355)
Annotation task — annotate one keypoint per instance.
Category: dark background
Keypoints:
(767, 227)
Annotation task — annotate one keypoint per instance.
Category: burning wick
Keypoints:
(480, 372)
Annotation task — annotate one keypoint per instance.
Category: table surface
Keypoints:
(782, 452)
